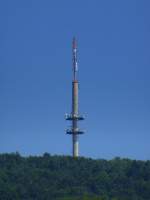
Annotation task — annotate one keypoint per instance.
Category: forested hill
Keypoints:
(62, 177)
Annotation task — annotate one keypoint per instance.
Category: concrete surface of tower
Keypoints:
(74, 117)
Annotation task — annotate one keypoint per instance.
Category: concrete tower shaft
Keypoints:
(75, 97)
(75, 120)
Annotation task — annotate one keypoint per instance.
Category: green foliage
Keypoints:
(64, 178)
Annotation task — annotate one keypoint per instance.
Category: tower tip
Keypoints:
(74, 43)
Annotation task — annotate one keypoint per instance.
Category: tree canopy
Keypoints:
(65, 178)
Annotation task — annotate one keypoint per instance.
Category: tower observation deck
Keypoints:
(74, 117)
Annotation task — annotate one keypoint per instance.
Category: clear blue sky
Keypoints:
(114, 72)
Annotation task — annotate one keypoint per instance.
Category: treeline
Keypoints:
(64, 178)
